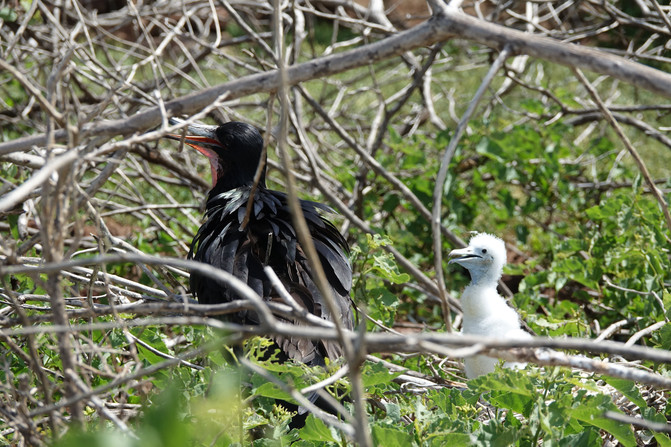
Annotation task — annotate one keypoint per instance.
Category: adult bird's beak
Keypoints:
(202, 138)
(462, 254)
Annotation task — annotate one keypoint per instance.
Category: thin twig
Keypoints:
(630, 147)
(436, 212)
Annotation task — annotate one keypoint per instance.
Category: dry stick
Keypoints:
(442, 175)
(632, 151)
(339, 374)
(638, 422)
(385, 342)
(304, 314)
(443, 25)
(39, 178)
(56, 208)
(34, 359)
(376, 341)
(426, 283)
(260, 82)
(289, 300)
(114, 242)
(300, 398)
(354, 358)
(34, 91)
(662, 14)
(584, 117)
(411, 375)
(241, 288)
(645, 331)
(57, 199)
(27, 17)
(161, 354)
(99, 404)
(426, 343)
(255, 36)
(376, 166)
(405, 191)
(122, 379)
(260, 169)
(610, 330)
(154, 183)
(439, 343)
(63, 161)
(546, 357)
(418, 78)
(165, 308)
(140, 308)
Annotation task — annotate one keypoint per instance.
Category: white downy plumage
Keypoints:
(485, 312)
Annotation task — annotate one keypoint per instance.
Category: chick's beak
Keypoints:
(462, 254)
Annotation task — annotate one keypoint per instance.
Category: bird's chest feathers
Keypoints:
(476, 300)
(484, 310)
(261, 226)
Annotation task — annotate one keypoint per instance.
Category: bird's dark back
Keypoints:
(269, 238)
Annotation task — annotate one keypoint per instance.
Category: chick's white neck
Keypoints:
(484, 275)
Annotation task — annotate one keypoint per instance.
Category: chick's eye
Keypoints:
(484, 250)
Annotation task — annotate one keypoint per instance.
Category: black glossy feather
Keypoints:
(243, 249)
(222, 242)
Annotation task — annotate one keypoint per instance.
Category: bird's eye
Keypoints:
(484, 250)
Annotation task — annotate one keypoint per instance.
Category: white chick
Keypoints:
(485, 312)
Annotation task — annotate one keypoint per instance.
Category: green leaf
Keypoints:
(13, 220)
(8, 15)
(450, 439)
(505, 380)
(591, 411)
(393, 412)
(490, 149)
(390, 437)
(666, 299)
(594, 213)
(517, 402)
(628, 389)
(651, 414)
(386, 266)
(508, 389)
(533, 106)
(269, 389)
(662, 439)
(377, 374)
(163, 420)
(316, 430)
(495, 435)
(664, 335)
(376, 241)
(586, 437)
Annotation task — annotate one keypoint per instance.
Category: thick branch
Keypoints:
(442, 26)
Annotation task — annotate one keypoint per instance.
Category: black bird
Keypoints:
(268, 238)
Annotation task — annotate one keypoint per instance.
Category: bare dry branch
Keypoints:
(367, 101)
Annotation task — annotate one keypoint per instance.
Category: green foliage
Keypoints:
(529, 406)
(8, 15)
(591, 246)
(174, 418)
(378, 275)
(503, 184)
(622, 242)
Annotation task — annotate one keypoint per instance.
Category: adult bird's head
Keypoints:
(484, 258)
(234, 150)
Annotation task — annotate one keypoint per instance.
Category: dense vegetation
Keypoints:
(588, 244)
